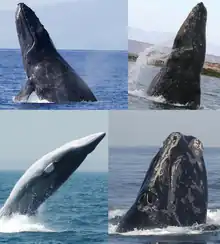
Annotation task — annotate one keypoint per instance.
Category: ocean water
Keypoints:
(104, 71)
(127, 168)
(140, 77)
(76, 213)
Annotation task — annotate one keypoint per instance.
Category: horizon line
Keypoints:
(145, 146)
(68, 49)
(79, 171)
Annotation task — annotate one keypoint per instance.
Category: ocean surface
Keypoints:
(105, 72)
(140, 77)
(76, 213)
(127, 168)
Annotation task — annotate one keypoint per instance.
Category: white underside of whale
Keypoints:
(33, 98)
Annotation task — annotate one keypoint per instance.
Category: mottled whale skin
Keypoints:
(47, 174)
(174, 191)
(179, 80)
(49, 76)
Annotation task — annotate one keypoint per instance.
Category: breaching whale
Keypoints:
(179, 80)
(49, 76)
(47, 174)
(174, 191)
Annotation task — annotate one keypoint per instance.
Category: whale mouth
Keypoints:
(25, 30)
(32, 35)
(28, 27)
(31, 21)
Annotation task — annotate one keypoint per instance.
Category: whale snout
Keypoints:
(21, 8)
(28, 17)
(200, 10)
(201, 5)
(90, 142)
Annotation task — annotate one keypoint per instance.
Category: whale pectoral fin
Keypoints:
(25, 92)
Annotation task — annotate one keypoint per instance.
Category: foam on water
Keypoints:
(22, 223)
(213, 217)
(159, 99)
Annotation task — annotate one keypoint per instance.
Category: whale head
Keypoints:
(47, 174)
(33, 37)
(174, 191)
(192, 35)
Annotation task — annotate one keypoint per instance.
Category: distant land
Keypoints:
(165, 39)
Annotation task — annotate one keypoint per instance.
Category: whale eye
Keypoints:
(151, 197)
(142, 198)
(49, 168)
(147, 198)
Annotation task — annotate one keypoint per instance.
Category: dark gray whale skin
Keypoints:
(49, 75)
(174, 191)
(179, 80)
(47, 175)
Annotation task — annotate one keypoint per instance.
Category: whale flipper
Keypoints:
(25, 92)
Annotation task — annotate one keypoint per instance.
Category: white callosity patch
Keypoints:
(170, 143)
(197, 144)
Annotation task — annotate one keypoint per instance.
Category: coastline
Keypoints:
(209, 69)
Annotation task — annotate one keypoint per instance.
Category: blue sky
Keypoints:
(28, 135)
(150, 128)
(167, 16)
(72, 24)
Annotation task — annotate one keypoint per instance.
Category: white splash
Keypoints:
(213, 217)
(148, 57)
(21, 223)
(139, 72)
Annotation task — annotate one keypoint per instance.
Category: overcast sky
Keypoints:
(28, 135)
(150, 128)
(72, 24)
(168, 15)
